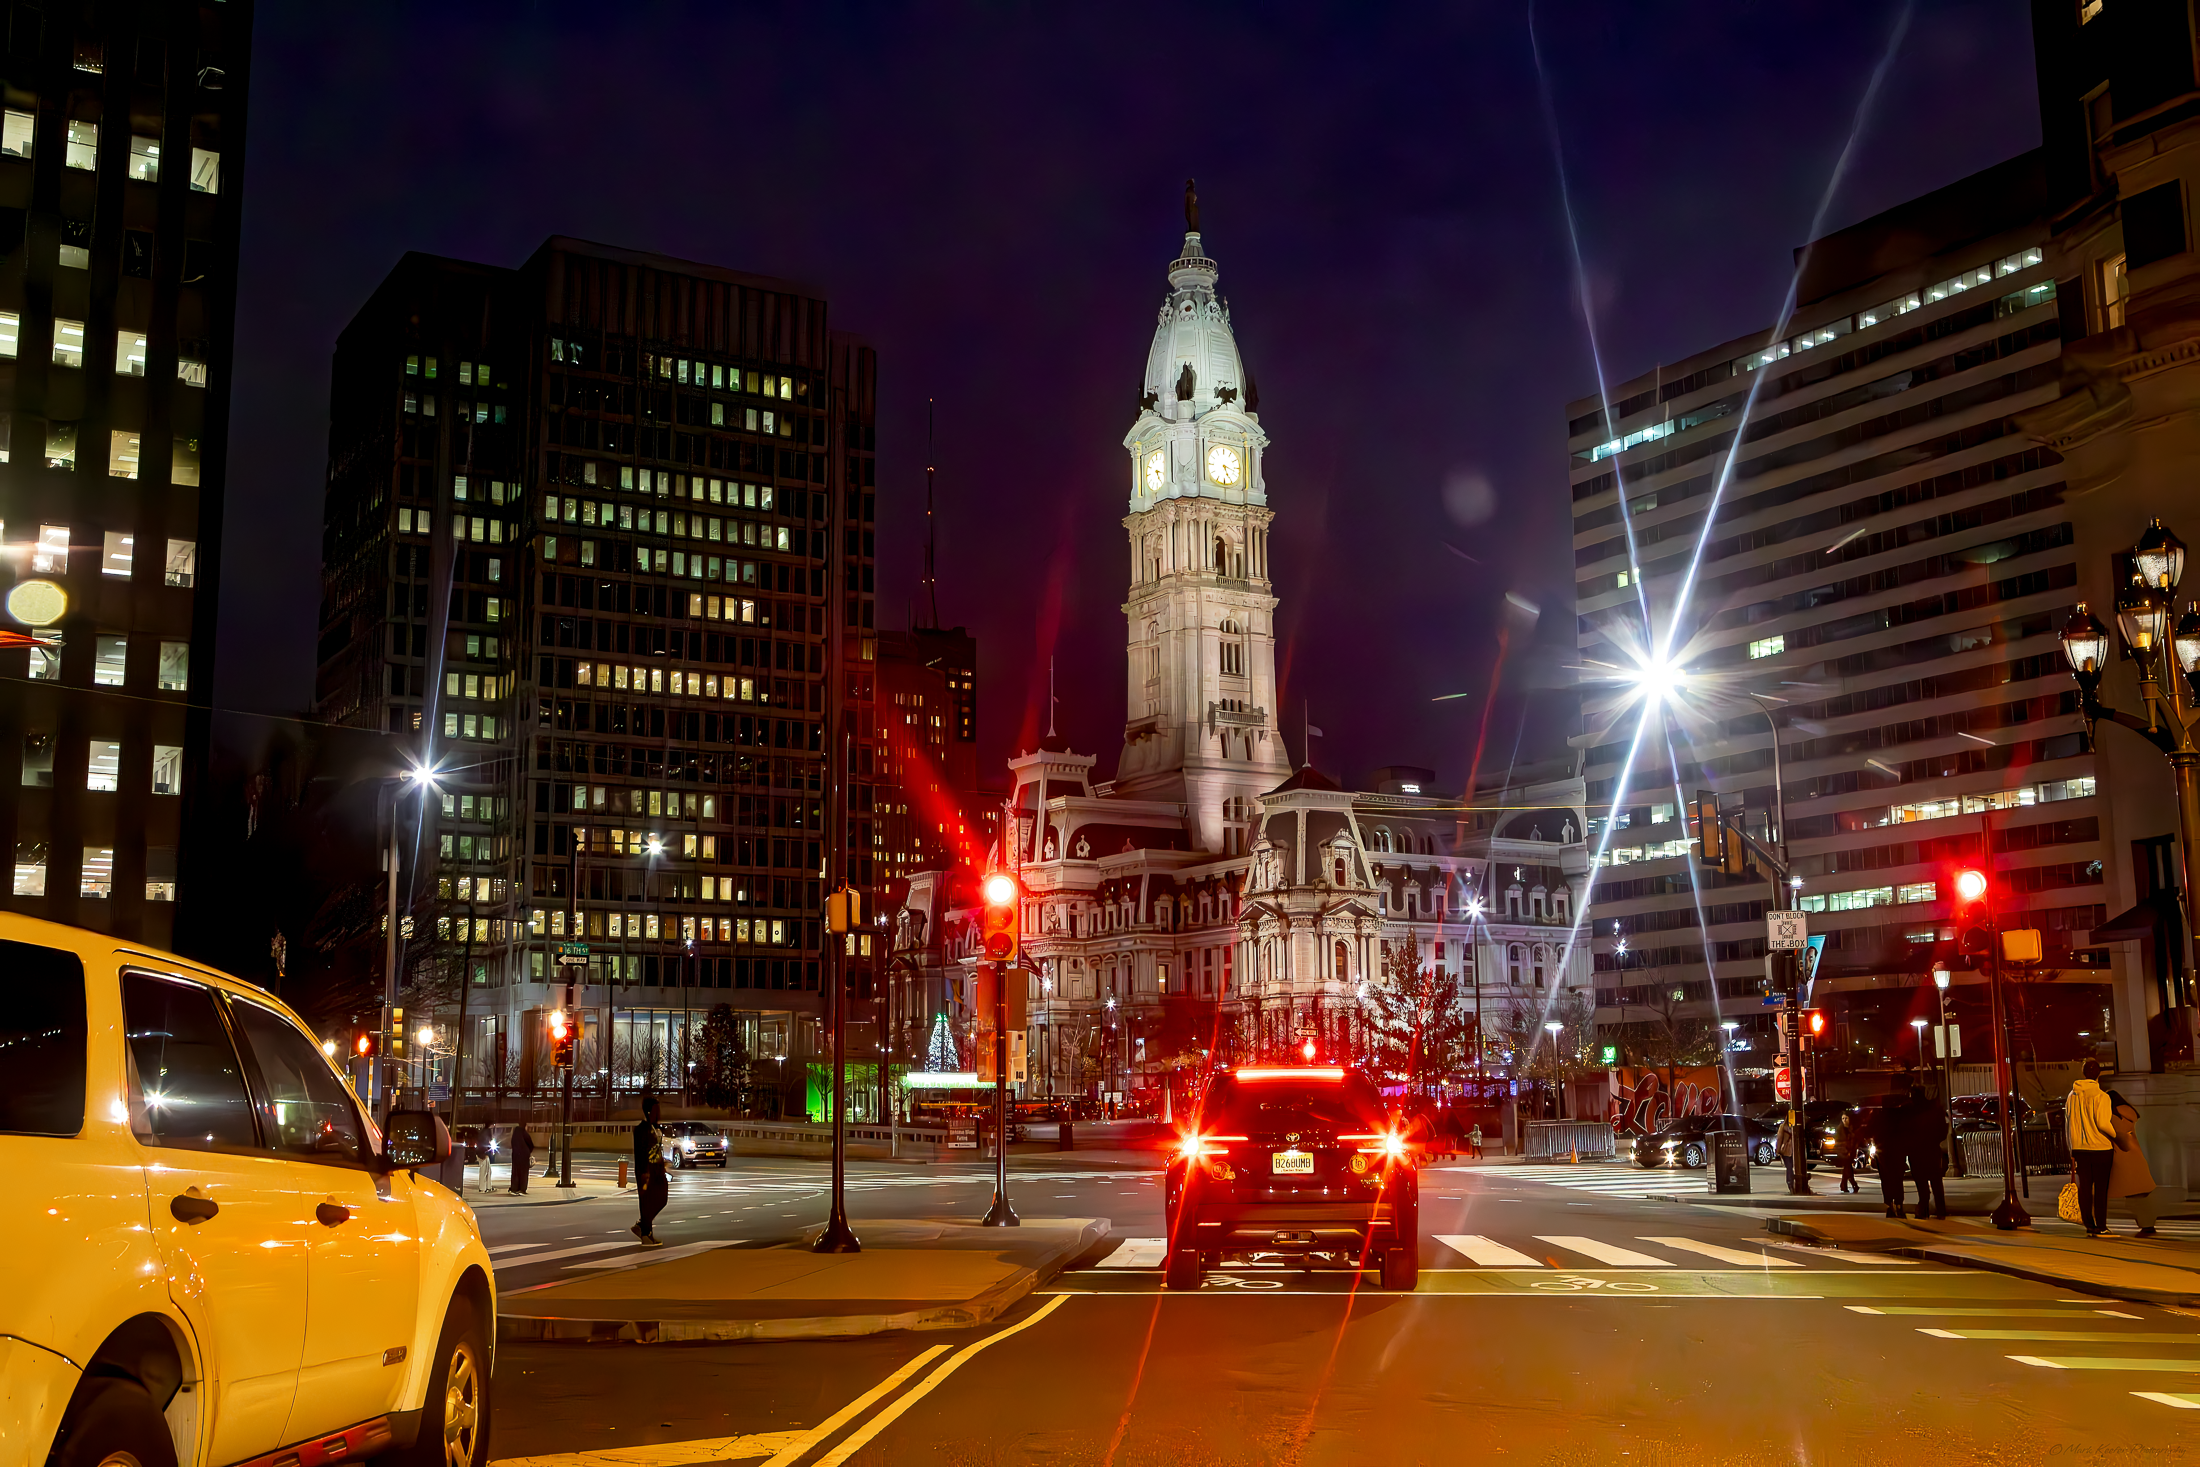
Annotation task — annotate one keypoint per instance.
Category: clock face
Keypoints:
(1223, 465)
(1157, 472)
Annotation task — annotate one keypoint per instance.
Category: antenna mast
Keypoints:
(931, 585)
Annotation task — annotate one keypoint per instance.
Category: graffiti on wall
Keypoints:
(1643, 1106)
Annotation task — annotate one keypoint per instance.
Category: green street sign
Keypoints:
(1611, 1054)
(572, 949)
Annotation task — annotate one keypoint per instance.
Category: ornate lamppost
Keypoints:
(2170, 693)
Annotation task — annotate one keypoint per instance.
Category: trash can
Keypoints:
(1728, 1170)
(1066, 1140)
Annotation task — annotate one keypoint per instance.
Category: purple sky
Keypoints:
(990, 193)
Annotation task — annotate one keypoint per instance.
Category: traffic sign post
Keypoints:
(1787, 931)
(1000, 933)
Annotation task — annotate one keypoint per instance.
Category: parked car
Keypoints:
(1685, 1141)
(182, 1126)
(691, 1143)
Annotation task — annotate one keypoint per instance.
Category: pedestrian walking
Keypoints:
(2129, 1178)
(1474, 1141)
(2091, 1123)
(1924, 1129)
(1887, 1144)
(523, 1156)
(650, 1181)
(1845, 1141)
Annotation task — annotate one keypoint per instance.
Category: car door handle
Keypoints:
(185, 1208)
(332, 1214)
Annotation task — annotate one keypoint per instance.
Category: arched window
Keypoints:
(1542, 962)
(1233, 650)
(1339, 877)
(1343, 962)
(1382, 837)
(1515, 956)
(1512, 901)
(1222, 554)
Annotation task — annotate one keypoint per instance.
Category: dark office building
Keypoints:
(926, 745)
(576, 555)
(121, 153)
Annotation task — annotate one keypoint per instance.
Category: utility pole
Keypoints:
(843, 906)
(388, 1068)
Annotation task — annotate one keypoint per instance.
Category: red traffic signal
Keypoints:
(1970, 884)
(1816, 1018)
(1000, 924)
(561, 1038)
(362, 1044)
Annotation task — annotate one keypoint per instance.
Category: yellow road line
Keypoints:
(854, 1408)
(857, 1440)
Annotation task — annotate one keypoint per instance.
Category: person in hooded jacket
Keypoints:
(2091, 1125)
(1889, 1136)
(523, 1156)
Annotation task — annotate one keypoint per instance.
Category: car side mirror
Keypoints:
(415, 1138)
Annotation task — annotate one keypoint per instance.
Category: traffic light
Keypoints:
(843, 910)
(1815, 1020)
(561, 1039)
(1000, 926)
(1703, 822)
(362, 1043)
(1970, 885)
(1974, 935)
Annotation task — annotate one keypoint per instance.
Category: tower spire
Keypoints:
(931, 583)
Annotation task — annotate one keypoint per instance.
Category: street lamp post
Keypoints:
(2143, 608)
(422, 777)
(1554, 1028)
(1946, 1047)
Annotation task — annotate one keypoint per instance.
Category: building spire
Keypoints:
(931, 583)
(1051, 699)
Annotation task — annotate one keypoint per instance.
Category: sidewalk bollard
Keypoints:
(622, 1174)
(1067, 1140)
(481, 1182)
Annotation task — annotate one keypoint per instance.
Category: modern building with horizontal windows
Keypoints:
(121, 142)
(576, 559)
(1867, 558)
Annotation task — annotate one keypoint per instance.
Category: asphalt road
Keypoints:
(1560, 1319)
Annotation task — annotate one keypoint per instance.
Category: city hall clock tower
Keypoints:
(1200, 613)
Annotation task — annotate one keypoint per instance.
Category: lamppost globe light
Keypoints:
(2085, 643)
(328, 1047)
(2159, 557)
(425, 1035)
(2186, 641)
(1552, 1027)
(1940, 977)
(1730, 1025)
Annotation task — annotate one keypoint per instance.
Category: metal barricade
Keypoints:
(1551, 1140)
(2045, 1151)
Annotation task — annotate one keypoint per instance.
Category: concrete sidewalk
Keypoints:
(912, 1274)
(2145, 1270)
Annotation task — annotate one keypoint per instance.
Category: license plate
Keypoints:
(1292, 1163)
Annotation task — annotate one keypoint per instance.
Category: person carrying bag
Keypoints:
(2093, 1147)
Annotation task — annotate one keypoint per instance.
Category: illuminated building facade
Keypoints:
(121, 141)
(1888, 563)
(578, 535)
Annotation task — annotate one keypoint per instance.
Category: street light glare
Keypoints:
(1658, 679)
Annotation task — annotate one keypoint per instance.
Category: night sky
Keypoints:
(991, 192)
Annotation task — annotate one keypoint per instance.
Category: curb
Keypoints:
(980, 1309)
(1933, 1253)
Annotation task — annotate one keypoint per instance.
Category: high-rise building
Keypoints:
(1877, 571)
(579, 529)
(926, 748)
(121, 138)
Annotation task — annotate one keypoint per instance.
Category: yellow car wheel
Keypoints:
(115, 1425)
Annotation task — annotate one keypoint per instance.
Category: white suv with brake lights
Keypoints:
(214, 1257)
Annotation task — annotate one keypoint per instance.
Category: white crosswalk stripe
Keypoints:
(1136, 1253)
(1486, 1252)
(1606, 1179)
(1747, 1257)
(1603, 1252)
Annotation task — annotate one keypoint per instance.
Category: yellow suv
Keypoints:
(213, 1255)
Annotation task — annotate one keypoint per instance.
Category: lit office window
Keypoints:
(11, 327)
(30, 855)
(102, 765)
(83, 150)
(76, 244)
(175, 666)
(115, 556)
(97, 876)
(167, 769)
(184, 463)
(61, 445)
(145, 159)
(122, 454)
(206, 178)
(15, 134)
(183, 562)
(1768, 646)
(190, 373)
(68, 342)
(110, 658)
(50, 557)
(46, 657)
(129, 353)
(38, 760)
